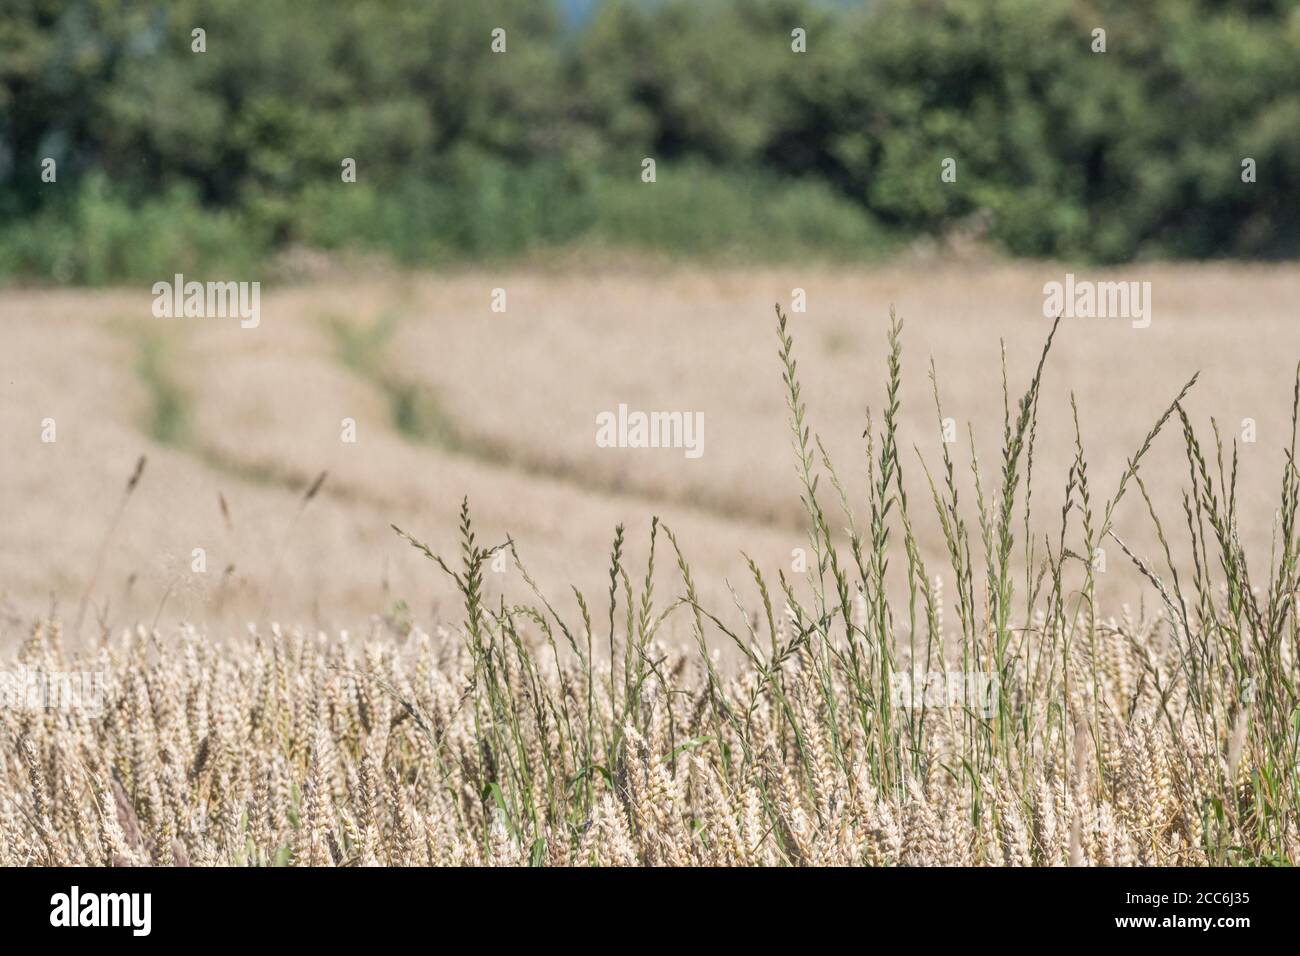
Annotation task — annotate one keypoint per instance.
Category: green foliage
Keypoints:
(168, 412)
(97, 236)
(232, 153)
(694, 208)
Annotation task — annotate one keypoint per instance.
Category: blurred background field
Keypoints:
(522, 171)
(450, 399)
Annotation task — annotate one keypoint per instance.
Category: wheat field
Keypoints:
(451, 399)
(1139, 711)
